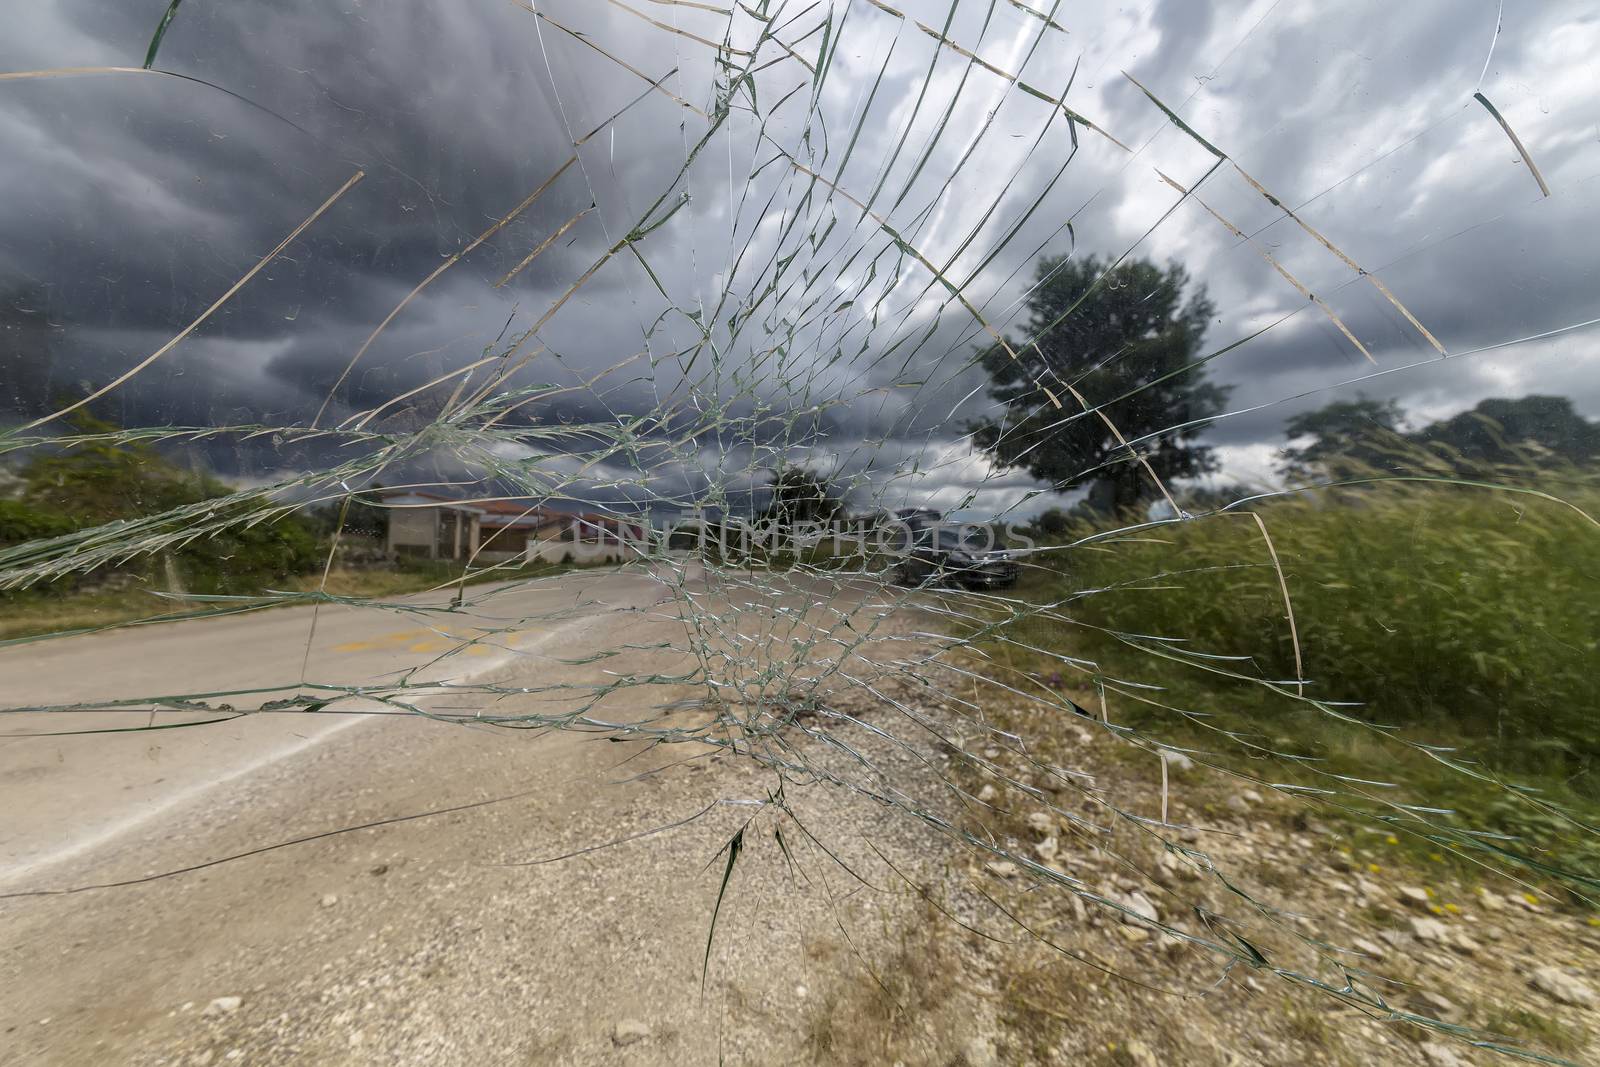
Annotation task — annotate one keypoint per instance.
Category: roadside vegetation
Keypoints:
(39, 611)
(105, 481)
(1444, 612)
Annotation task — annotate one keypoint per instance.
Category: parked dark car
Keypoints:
(939, 555)
(916, 517)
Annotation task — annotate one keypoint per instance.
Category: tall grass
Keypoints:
(1459, 615)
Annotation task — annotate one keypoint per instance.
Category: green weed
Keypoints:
(1435, 622)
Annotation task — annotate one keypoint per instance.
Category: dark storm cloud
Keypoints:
(162, 192)
(131, 201)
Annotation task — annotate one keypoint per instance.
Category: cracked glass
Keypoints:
(967, 531)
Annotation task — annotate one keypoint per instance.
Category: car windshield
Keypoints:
(997, 531)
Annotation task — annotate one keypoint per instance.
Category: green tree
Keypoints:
(1490, 431)
(1202, 498)
(1343, 436)
(364, 515)
(1355, 436)
(1052, 522)
(800, 494)
(95, 482)
(20, 522)
(1126, 338)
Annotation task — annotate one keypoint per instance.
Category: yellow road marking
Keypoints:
(440, 640)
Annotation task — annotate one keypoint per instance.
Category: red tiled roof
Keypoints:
(534, 520)
(512, 509)
(594, 518)
(413, 492)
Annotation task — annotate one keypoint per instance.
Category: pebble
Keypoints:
(1172, 864)
(1041, 823)
(1140, 905)
(1442, 1005)
(1177, 761)
(1046, 850)
(980, 1052)
(1439, 1055)
(1413, 895)
(1139, 1053)
(329, 900)
(630, 1032)
(1559, 985)
(223, 1006)
(1368, 948)
(1429, 930)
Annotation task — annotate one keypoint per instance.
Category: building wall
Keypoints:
(413, 531)
(554, 551)
(509, 539)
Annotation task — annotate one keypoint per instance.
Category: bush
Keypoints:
(243, 560)
(1468, 616)
(20, 522)
(101, 480)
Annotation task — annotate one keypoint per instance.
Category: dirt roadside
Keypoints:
(1050, 976)
(862, 937)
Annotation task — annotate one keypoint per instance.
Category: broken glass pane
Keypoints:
(964, 530)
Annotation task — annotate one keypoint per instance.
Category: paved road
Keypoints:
(422, 941)
(66, 795)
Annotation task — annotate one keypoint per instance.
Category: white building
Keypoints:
(494, 531)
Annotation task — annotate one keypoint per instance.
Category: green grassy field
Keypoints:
(39, 611)
(1446, 635)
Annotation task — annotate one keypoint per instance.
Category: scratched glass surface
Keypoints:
(1148, 453)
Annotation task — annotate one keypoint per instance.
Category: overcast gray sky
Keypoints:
(769, 315)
